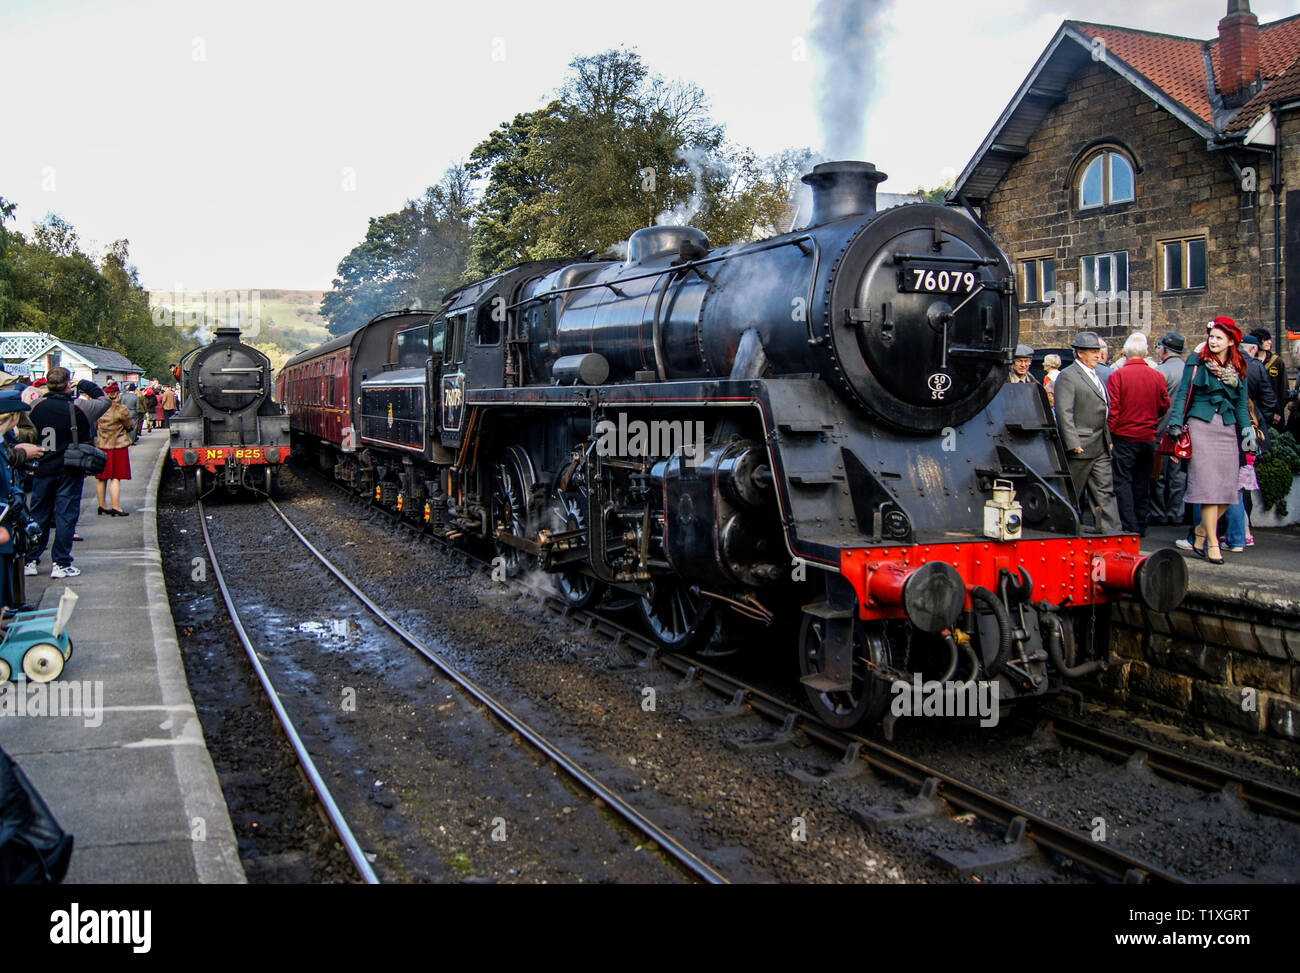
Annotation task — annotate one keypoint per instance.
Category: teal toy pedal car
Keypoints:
(31, 647)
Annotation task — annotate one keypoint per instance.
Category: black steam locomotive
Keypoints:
(228, 431)
(816, 424)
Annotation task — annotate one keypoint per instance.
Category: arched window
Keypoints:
(1105, 178)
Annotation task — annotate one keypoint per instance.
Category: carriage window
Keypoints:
(490, 315)
(457, 327)
(412, 347)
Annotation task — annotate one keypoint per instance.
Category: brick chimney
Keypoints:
(1238, 54)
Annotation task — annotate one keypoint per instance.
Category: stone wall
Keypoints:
(1180, 188)
(1204, 657)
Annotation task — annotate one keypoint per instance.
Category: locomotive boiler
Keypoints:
(228, 431)
(816, 425)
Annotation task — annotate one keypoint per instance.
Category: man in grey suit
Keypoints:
(1170, 485)
(1081, 407)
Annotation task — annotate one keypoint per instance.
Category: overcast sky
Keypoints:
(245, 144)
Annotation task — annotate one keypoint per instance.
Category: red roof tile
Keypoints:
(1285, 86)
(1176, 64)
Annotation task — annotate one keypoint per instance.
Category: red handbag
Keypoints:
(1180, 448)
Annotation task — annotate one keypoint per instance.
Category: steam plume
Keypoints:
(848, 36)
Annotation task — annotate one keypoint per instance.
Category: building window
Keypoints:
(1107, 178)
(1103, 275)
(1039, 276)
(1182, 263)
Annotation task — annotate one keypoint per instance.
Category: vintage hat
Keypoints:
(1228, 327)
(1263, 335)
(1250, 339)
(11, 400)
(111, 388)
(1086, 341)
(1023, 351)
(1174, 341)
(40, 382)
(89, 388)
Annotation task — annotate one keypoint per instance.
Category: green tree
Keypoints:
(615, 149)
(410, 258)
(376, 274)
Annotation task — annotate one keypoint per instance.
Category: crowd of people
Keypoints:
(40, 488)
(1168, 429)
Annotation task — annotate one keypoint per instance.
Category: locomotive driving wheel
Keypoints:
(867, 699)
(569, 513)
(676, 614)
(511, 490)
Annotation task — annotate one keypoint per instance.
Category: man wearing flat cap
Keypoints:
(1081, 413)
(1171, 481)
(1024, 357)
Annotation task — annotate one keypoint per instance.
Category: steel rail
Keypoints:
(1259, 796)
(332, 811)
(1044, 832)
(551, 751)
(1104, 859)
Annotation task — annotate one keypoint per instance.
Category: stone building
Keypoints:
(1136, 179)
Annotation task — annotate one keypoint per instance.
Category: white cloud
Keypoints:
(226, 171)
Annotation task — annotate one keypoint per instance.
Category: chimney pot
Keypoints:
(1238, 53)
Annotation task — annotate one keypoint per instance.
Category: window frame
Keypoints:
(1037, 260)
(1183, 239)
(1105, 154)
(1115, 290)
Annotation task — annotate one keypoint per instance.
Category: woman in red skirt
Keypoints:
(114, 437)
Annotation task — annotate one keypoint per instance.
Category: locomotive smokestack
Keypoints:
(227, 333)
(843, 189)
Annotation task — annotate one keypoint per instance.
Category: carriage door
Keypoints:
(432, 370)
(452, 383)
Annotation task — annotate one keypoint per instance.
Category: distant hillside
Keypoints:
(290, 320)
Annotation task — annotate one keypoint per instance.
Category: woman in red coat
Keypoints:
(114, 430)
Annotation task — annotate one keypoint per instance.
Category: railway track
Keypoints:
(330, 806)
(691, 863)
(1017, 824)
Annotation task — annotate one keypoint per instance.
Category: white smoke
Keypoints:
(701, 165)
(848, 36)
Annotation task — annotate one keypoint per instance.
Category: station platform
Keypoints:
(1265, 576)
(129, 775)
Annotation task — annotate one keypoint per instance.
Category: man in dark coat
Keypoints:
(1275, 368)
(1081, 417)
(1171, 483)
(56, 493)
(1259, 388)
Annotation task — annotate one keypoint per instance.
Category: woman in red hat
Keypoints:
(114, 430)
(1211, 402)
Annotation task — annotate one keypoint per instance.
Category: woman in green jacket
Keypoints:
(1218, 422)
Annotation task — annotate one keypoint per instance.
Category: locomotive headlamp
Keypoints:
(272, 454)
(1002, 514)
(189, 457)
